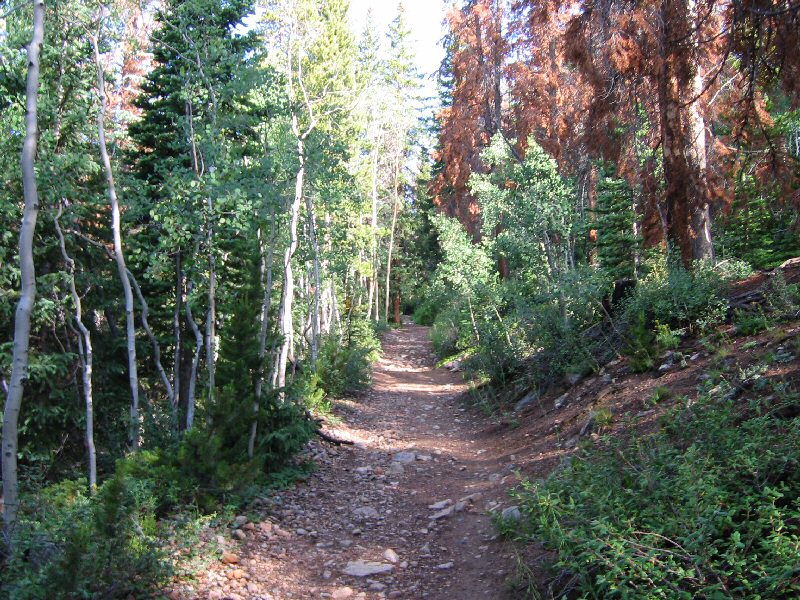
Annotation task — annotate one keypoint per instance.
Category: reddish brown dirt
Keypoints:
(357, 505)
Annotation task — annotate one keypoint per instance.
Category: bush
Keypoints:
(68, 545)
(673, 296)
(707, 508)
(345, 363)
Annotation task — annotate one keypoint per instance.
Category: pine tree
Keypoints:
(614, 221)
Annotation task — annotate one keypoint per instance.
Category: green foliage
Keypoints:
(761, 227)
(71, 546)
(707, 508)
(667, 338)
(659, 394)
(782, 299)
(345, 361)
(614, 224)
(750, 322)
(676, 297)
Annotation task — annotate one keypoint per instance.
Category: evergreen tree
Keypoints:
(614, 222)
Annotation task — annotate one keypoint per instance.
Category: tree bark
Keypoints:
(198, 346)
(84, 354)
(285, 323)
(391, 237)
(133, 378)
(22, 318)
(266, 274)
(176, 330)
(315, 313)
(373, 287)
(211, 318)
(688, 216)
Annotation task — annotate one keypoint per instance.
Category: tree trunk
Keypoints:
(391, 238)
(162, 373)
(211, 319)
(198, 346)
(133, 378)
(373, 288)
(22, 318)
(176, 330)
(285, 324)
(688, 216)
(266, 274)
(315, 307)
(84, 354)
(397, 308)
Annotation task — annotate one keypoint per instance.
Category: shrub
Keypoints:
(707, 508)
(345, 363)
(69, 545)
(676, 297)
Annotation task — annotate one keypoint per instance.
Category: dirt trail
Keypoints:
(368, 506)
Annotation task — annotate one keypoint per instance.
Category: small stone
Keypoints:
(239, 521)
(301, 531)
(445, 566)
(377, 587)
(441, 504)
(391, 556)
(561, 401)
(396, 469)
(528, 399)
(589, 424)
(265, 527)
(363, 568)
(404, 457)
(229, 558)
(443, 514)
(512, 513)
(342, 592)
(327, 574)
(215, 595)
(239, 534)
(365, 512)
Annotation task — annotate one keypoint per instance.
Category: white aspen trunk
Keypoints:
(211, 318)
(133, 378)
(176, 330)
(266, 274)
(22, 317)
(162, 373)
(315, 307)
(373, 284)
(285, 324)
(391, 238)
(198, 346)
(336, 316)
(84, 354)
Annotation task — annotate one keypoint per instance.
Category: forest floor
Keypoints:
(403, 512)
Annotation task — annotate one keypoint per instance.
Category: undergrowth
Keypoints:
(709, 507)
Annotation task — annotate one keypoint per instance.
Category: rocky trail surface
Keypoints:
(404, 512)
